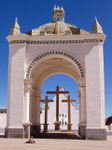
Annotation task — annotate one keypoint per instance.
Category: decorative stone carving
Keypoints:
(55, 41)
(96, 28)
(15, 28)
(57, 26)
(35, 94)
(58, 13)
(82, 83)
(27, 85)
(27, 88)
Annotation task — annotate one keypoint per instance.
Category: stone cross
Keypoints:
(46, 101)
(69, 113)
(57, 92)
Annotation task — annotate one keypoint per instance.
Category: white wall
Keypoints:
(95, 87)
(3, 117)
(16, 85)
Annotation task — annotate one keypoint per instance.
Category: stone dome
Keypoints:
(58, 27)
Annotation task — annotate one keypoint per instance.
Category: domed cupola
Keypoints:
(57, 26)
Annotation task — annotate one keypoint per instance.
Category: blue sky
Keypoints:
(33, 13)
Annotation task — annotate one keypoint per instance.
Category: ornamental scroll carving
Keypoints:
(27, 85)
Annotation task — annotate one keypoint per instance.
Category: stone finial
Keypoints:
(54, 7)
(58, 13)
(58, 8)
(62, 8)
(15, 29)
(96, 28)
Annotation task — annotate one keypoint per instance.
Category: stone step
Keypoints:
(2, 136)
(59, 135)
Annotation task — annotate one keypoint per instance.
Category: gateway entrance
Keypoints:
(55, 48)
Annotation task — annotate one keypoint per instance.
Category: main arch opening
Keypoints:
(46, 68)
(65, 83)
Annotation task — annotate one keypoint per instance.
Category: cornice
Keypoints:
(55, 41)
(22, 38)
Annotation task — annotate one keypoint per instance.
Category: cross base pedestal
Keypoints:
(57, 125)
(69, 127)
(45, 128)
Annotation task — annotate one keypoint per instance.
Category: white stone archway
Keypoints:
(56, 47)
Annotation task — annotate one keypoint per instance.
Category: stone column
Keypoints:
(82, 108)
(26, 122)
(79, 98)
(35, 112)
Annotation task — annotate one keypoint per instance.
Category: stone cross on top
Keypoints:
(57, 92)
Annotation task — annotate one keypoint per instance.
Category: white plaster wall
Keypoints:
(16, 85)
(3, 117)
(74, 118)
(110, 127)
(95, 86)
(77, 50)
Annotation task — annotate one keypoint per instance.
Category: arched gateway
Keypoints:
(55, 48)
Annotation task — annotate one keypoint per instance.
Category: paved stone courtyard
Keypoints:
(55, 144)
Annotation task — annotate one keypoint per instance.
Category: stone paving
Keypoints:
(55, 144)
